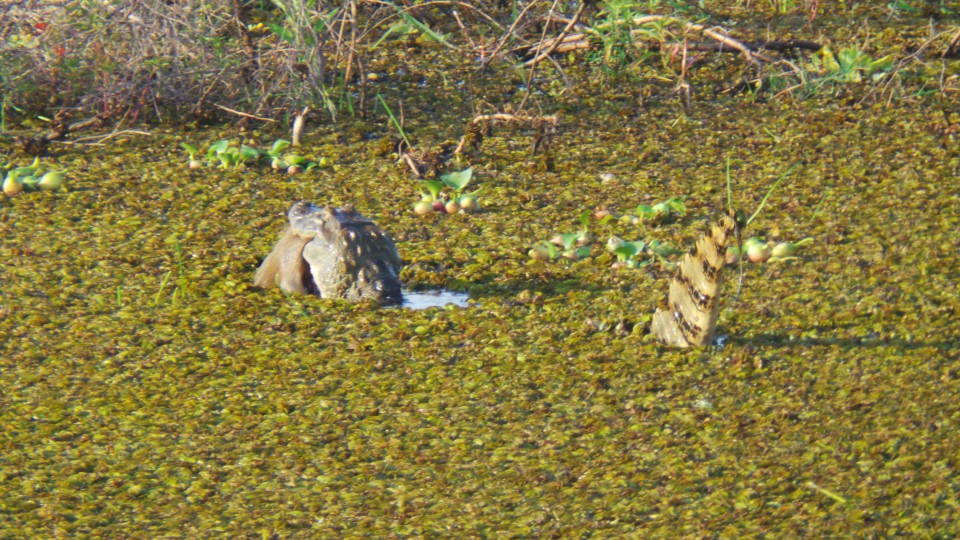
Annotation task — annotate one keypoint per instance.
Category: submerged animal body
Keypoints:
(333, 253)
(689, 317)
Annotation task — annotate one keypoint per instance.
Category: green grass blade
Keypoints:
(166, 278)
(773, 187)
(412, 21)
(393, 119)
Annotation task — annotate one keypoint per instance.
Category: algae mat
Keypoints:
(148, 390)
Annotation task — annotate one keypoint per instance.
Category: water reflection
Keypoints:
(429, 299)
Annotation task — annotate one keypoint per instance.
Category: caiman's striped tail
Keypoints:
(689, 317)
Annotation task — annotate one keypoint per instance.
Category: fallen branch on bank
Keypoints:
(38, 145)
(586, 38)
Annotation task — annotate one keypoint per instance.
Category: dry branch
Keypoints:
(38, 145)
(566, 42)
(243, 114)
(953, 48)
(552, 120)
(566, 30)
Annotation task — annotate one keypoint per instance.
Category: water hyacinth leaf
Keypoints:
(434, 186)
(625, 251)
(12, 185)
(676, 205)
(544, 251)
(278, 146)
(569, 239)
(581, 252)
(457, 180)
(827, 61)
(880, 64)
(661, 250)
(645, 212)
(23, 172)
(661, 213)
(848, 57)
(614, 242)
(218, 148)
(585, 218)
(51, 181)
(248, 152)
(191, 149)
(295, 159)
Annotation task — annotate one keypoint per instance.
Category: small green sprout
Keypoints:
(51, 181)
(247, 153)
(850, 65)
(192, 151)
(544, 251)
(457, 181)
(756, 250)
(220, 151)
(573, 247)
(276, 160)
(12, 184)
(640, 253)
(30, 178)
(663, 212)
(627, 251)
(784, 250)
(434, 187)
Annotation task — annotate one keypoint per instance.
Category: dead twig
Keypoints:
(98, 140)
(506, 35)
(38, 145)
(552, 120)
(505, 117)
(243, 114)
(722, 42)
(559, 39)
(533, 67)
(953, 48)
(753, 46)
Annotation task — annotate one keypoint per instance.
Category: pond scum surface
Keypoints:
(148, 390)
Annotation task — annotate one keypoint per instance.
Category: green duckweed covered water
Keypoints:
(147, 389)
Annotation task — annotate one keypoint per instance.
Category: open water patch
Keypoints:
(437, 298)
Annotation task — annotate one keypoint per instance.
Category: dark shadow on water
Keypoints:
(783, 341)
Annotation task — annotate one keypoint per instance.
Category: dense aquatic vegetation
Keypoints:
(147, 387)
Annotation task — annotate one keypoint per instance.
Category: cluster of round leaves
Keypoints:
(31, 178)
(756, 250)
(434, 201)
(228, 155)
(574, 246)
